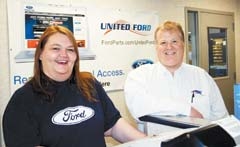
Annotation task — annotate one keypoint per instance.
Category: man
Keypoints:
(171, 87)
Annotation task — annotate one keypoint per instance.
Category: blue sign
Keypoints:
(237, 101)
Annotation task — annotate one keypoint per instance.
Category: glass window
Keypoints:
(217, 51)
(193, 38)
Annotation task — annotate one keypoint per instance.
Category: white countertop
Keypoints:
(154, 141)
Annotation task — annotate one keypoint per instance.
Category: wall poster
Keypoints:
(110, 41)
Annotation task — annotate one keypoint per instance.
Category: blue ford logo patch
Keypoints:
(29, 7)
(140, 62)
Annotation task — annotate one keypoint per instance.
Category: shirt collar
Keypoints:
(165, 71)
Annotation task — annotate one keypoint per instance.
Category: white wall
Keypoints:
(168, 10)
(4, 62)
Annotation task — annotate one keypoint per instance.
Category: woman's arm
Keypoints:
(122, 131)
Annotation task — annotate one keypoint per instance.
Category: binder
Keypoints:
(175, 121)
(209, 136)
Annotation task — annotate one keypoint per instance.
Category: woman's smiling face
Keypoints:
(58, 57)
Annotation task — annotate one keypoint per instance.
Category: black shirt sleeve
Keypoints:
(20, 129)
(111, 114)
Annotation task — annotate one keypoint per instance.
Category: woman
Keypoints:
(60, 106)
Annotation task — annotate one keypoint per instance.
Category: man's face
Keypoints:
(170, 49)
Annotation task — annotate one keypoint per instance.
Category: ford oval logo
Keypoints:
(29, 7)
(73, 115)
(140, 62)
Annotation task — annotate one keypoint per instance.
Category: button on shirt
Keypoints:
(152, 89)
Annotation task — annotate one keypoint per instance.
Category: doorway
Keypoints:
(211, 46)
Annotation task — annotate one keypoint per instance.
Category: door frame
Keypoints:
(201, 58)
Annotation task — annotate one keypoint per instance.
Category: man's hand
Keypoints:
(195, 113)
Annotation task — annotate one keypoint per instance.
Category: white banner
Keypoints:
(110, 41)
